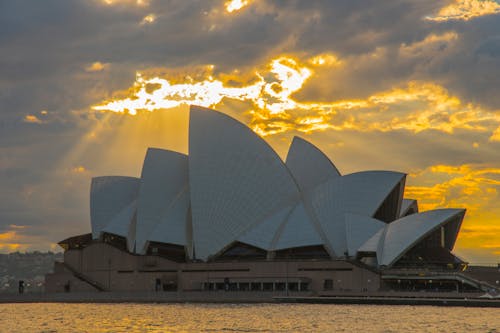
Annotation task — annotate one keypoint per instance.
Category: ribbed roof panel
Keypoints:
(236, 180)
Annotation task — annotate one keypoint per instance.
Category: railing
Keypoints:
(459, 276)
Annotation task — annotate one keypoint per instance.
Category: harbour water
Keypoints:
(64, 317)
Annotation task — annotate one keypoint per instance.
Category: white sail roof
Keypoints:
(262, 234)
(408, 206)
(401, 235)
(172, 228)
(374, 243)
(360, 229)
(297, 231)
(361, 193)
(236, 180)
(309, 165)
(121, 222)
(164, 178)
(110, 196)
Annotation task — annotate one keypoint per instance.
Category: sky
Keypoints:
(86, 86)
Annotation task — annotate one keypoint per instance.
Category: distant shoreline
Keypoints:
(243, 297)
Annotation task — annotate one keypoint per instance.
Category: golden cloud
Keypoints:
(270, 91)
(235, 5)
(268, 98)
(10, 241)
(326, 59)
(471, 186)
(30, 118)
(148, 19)
(96, 67)
(79, 169)
(126, 2)
(474, 187)
(434, 42)
(466, 10)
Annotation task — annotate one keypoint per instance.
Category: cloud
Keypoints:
(417, 106)
(270, 91)
(236, 5)
(16, 238)
(96, 67)
(430, 44)
(79, 169)
(474, 187)
(126, 2)
(30, 118)
(466, 10)
(149, 19)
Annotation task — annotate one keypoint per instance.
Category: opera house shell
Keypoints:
(235, 207)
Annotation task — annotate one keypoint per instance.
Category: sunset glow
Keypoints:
(466, 10)
(273, 93)
(88, 87)
(235, 5)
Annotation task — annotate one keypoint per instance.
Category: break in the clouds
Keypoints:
(406, 85)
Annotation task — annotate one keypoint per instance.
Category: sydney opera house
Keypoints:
(233, 216)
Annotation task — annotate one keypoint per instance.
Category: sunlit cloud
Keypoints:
(269, 100)
(148, 19)
(272, 90)
(33, 119)
(235, 5)
(433, 41)
(17, 238)
(326, 59)
(96, 67)
(126, 2)
(471, 186)
(10, 241)
(466, 10)
(79, 169)
(474, 187)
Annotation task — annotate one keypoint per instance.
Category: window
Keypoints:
(328, 284)
(267, 286)
(280, 286)
(255, 286)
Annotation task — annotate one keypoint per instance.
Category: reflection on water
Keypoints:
(59, 317)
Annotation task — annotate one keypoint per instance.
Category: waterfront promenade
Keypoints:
(383, 298)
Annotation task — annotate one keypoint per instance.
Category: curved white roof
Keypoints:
(360, 193)
(360, 229)
(309, 165)
(172, 228)
(297, 231)
(408, 205)
(236, 180)
(164, 178)
(402, 234)
(374, 243)
(111, 197)
(120, 223)
(262, 234)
